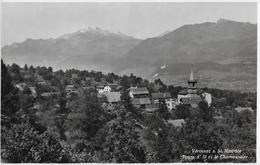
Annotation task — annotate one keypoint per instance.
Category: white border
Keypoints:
(158, 1)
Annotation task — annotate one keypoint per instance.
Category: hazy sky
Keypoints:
(141, 20)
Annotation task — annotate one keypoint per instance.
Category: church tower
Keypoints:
(192, 84)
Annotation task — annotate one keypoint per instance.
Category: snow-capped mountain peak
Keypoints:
(96, 31)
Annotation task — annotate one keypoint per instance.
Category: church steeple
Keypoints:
(192, 82)
(191, 75)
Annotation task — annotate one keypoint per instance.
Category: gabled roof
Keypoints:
(140, 101)
(142, 90)
(161, 95)
(191, 100)
(113, 97)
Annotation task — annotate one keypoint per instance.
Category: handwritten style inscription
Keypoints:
(213, 155)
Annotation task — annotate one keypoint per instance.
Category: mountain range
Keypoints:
(223, 54)
(91, 48)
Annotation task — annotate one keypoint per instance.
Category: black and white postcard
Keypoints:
(128, 82)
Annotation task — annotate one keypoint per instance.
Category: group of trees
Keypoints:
(79, 129)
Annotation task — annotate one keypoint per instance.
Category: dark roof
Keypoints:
(161, 95)
(142, 90)
(140, 101)
(191, 100)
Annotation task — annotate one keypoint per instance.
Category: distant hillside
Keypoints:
(222, 42)
(234, 76)
(226, 49)
(85, 49)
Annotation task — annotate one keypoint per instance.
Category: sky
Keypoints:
(140, 20)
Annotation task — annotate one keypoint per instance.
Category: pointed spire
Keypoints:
(191, 75)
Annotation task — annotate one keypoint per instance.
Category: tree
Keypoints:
(6, 86)
(182, 111)
(174, 90)
(86, 113)
(26, 67)
(163, 111)
(9, 97)
(126, 99)
(22, 144)
(31, 69)
(121, 143)
(200, 135)
(50, 69)
(15, 73)
(125, 82)
(205, 112)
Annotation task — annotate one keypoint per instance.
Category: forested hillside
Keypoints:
(41, 122)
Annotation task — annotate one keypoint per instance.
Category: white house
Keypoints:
(207, 97)
(169, 101)
(102, 89)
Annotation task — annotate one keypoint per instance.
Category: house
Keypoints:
(113, 86)
(103, 88)
(169, 101)
(157, 97)
(141, 102)
(137, 92)
(193, 101)
(172, 104)
(110, 100)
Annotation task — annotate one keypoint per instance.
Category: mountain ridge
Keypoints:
(221, 42)
(86, 45)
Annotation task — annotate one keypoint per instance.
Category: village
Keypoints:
(141, 97)
(109, 93)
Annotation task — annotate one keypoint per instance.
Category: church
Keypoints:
(192, 95)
